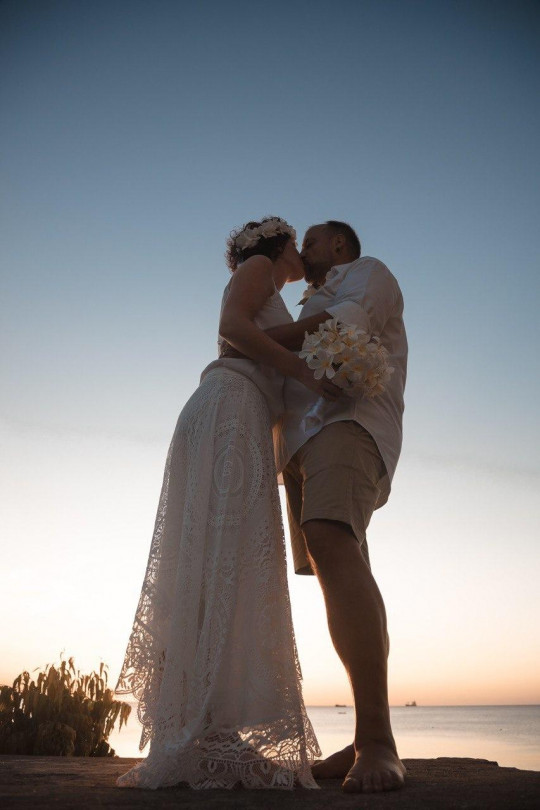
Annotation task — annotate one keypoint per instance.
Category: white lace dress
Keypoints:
(212, 658)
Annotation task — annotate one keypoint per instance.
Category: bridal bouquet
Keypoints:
(347, 355)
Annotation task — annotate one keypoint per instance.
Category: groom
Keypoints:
(335, 477)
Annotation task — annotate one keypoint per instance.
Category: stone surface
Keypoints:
(86, 782)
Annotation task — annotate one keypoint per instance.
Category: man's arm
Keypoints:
(366, 297)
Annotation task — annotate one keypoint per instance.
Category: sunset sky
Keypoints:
(135, 136)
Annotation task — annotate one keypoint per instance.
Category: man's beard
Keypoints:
(314, 274)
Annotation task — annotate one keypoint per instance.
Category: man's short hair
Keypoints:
(352, 240)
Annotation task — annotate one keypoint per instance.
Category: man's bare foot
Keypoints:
(376, 768)
(335, 766)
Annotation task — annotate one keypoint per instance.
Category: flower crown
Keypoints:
(250, 236)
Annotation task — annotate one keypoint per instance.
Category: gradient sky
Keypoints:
(135, 136)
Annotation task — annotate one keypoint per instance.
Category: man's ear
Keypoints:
(339, 243)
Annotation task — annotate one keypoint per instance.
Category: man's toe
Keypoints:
(352, 785)
(367, 783)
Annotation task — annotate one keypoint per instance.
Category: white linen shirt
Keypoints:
(364, 293)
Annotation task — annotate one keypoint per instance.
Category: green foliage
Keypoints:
(61, 713)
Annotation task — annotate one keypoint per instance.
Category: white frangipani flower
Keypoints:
(309, 347)
(335, 347)
(321, 365)
(345, 355)
(350, 331)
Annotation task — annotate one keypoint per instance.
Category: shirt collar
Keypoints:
(335, 271)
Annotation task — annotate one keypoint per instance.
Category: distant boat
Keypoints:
(412, 703)
(340, 706)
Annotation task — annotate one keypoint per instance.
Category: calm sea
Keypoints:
(509, 735)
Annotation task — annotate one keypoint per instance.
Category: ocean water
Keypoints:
(509, 735)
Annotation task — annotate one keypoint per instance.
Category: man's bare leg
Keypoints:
(357, 624)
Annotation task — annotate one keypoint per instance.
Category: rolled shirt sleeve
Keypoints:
(366, 297)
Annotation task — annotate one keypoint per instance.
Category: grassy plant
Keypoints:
(61, 713)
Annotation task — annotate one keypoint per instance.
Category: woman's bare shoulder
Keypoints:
(255, 271)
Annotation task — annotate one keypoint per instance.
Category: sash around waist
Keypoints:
(268, 381)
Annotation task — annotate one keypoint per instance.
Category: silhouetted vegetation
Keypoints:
(61, 713)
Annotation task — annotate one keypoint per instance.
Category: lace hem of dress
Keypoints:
(225, 761)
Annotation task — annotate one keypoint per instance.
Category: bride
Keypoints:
(211, 658)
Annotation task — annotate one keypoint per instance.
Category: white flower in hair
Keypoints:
(250, 236)
(268, 229)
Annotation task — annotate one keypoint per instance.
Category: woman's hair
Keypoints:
(257, 243)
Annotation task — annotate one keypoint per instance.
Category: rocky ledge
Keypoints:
(80, 782)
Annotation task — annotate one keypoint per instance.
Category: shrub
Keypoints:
(61, 713)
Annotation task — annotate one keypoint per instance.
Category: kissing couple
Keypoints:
(212, 657)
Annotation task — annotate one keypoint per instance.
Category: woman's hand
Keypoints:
(323, 387)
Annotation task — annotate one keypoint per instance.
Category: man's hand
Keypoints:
(229, 351)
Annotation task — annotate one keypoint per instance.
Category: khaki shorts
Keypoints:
(335, 475)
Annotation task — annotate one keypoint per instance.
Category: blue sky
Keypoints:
(136, 135)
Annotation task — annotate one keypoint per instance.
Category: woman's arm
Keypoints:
(251, 286)
(291, 335)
